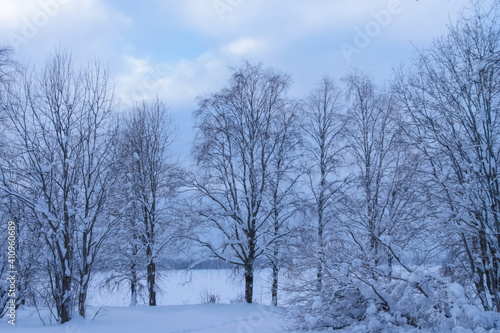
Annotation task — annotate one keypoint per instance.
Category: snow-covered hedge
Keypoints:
(418, 301)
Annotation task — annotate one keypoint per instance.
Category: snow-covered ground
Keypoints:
(201, 318)
(179, 308)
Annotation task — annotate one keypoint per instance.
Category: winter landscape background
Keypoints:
(270, 180)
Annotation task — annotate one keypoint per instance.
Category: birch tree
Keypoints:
(323, 127)
(390, 212)
(282, 197)
(95, 218)
(58, 166)
(152, 177)
(451, 97)
(237, 138)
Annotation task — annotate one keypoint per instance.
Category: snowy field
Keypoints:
(179, 310)
(202, 318)
(188, 287)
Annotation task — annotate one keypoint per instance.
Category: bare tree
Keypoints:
(282, 190)
(451, 96)
(389, 215)
(44, 116)
(372, 136)
(368, 141)
(152, 177)
(323, 127)
(94, 219)
(59, 168)
(367, 203)
(237, 139)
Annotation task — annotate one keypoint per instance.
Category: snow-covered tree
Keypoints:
(95, 218)
(151, 178)
(59, 168)
(238, 135)
(386, 213)
(282, 196)
(451, 96)
(375, 218)
(323, 128)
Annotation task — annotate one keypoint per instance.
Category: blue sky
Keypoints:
(181, 49)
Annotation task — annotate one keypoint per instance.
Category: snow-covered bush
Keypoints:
(338, 310)
(209, 296)
(420, 301)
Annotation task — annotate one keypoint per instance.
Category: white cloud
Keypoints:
(286, 21)
(268, 32)
(35, 27)
(258, 30)
(179, 84)
(244, 47)
(296, 18)
(13, 12)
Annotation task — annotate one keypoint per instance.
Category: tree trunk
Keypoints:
(275, 262)
(151, 283)
(66, 264)
(249, 285)
(319, 272)
(66, 299)
(274, 289)
(389, 264)
(84, 276)
(82, 297)
(84, 287)
(133, 285)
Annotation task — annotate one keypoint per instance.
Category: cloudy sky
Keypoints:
(179, 49)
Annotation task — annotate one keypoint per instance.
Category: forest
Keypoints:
(371, 205)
